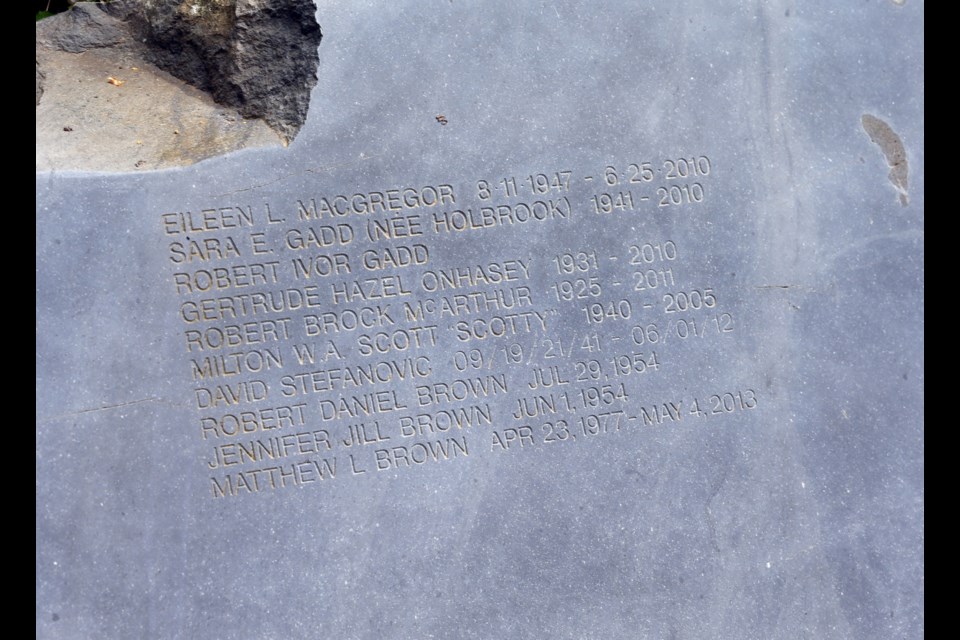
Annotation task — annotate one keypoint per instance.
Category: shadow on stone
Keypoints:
(133, 68)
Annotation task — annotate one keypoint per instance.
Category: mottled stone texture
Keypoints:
(40, 78)
(258, 56)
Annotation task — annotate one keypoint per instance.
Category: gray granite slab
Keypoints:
(681, 222)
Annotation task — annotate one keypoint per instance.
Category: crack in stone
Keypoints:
(108, 407)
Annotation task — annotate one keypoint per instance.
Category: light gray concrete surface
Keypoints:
(760, 477)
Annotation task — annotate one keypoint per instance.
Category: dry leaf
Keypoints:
(115, 82)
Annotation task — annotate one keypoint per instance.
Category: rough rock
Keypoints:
(86, 26)
(40, 78)
(221, 73)
(258, 56)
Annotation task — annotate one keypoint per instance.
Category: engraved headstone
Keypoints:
(567, 319)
